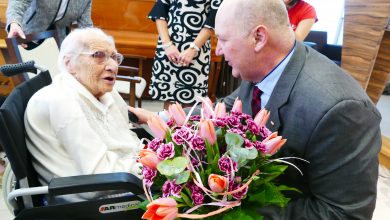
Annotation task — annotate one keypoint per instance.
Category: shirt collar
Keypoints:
(267, 85)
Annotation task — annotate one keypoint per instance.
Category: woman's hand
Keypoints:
(16, 31)
(142, 114)
(172, 53)
(187, 56)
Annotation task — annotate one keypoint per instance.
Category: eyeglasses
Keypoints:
(102, 57)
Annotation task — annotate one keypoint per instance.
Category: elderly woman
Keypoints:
(79, 124)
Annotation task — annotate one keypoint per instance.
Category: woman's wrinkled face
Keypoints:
(94, 69)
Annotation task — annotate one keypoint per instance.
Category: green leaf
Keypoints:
(172, 167)
(182, 177)
(233, 139)
(240, 213)
(143, 205)
(186, 199)
(287, 188)
(242, 155)
(269, 195)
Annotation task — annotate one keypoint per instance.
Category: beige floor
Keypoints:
(383, 201)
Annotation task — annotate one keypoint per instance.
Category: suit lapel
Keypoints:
(285, 85)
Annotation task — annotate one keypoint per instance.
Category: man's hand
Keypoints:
(142, 114)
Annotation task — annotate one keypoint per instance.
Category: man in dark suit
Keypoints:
(323, 113)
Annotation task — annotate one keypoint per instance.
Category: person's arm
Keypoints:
(343, 170)
(15, 12)
(187, 55)
(304, 28)
(85, 18)
(169, 47)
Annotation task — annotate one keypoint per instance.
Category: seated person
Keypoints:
(79, 125)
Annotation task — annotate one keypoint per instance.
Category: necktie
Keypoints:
(256, 101)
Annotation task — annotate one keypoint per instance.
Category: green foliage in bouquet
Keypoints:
(213, 165)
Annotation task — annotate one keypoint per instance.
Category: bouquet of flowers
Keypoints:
(211, 165)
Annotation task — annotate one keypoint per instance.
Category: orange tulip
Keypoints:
(220, 110)
(178, 114)
(207, 106)
(262, 117)
(207, 131)
(161, 209)
(237, 106)
(217, 183)
(148, 158)
(158, 126)
(273, 143)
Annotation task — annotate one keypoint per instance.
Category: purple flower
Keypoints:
(220, 122)
(237, 131)
(245, 116)
(155, 144)
(193, 187)
(197, 198)
(166, 189)
(252, 127)
(182, 135)
(264, 132)
(166, 151)
(235, 114)
(170, 122)
(148, 175)
(259, 146)
(197, 143)
(170, 188)
(195, 162)
(226, 164)
(195, 118)
(238, 195)
(248, 144)
(233, 121)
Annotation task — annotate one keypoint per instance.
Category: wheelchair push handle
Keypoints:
(15, 69)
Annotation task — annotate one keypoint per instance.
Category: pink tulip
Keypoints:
(178, 114)
(220, 110)
(237, 106)
(207, 106)
(148, 158)
(217, 183)
(161, 209)
(273, 143)
(262, 117)
(207, 131)
(158, 126)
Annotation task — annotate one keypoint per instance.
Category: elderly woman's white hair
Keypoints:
(78, 42)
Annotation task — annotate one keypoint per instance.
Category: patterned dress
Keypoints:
(185, 18)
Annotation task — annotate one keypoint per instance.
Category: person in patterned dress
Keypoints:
(182, 61)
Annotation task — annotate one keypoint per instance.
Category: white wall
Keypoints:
(330, 15)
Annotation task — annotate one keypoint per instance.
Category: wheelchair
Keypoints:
(27, 196)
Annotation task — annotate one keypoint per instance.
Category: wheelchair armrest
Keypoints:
(95, 182)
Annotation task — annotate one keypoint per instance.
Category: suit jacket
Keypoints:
(38, 15)
(328, 120)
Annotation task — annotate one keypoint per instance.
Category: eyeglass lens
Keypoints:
(103, 57)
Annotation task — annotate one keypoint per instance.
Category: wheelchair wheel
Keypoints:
(8, 184)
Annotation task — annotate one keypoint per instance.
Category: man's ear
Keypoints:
(260, 36)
